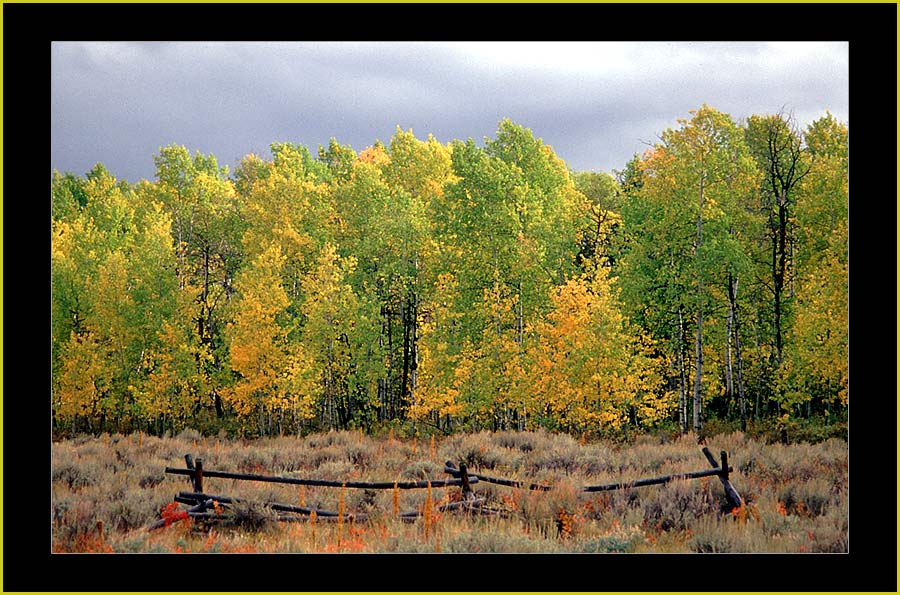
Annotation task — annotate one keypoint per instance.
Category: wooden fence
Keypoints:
(200, 503)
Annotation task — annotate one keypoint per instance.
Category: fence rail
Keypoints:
(651, 481)
(369, 485)
(200, 502)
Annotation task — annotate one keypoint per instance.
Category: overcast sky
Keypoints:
(595, 103)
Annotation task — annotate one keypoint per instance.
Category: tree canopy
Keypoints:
(459, 286)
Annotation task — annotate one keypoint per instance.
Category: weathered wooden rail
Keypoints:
(369, 485)
(200, 502)
(451, 469)
(721, 471)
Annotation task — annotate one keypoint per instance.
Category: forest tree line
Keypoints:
(458, 287)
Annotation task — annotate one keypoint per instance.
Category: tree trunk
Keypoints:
(682, 379)
(217, 399)
(414, 349)
(698, 374)
(758, 410)
(391, 413)
(345, 398)
(520, 325)
(732, 298)
(729, 364)
(779, 264)
(783, 163)
(404, 381)
(698, 342)
(520, 339)
(205, 278)
(791, 273)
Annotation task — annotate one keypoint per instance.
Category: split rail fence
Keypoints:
(201, 503)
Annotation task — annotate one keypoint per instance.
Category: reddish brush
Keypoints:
(171, 514)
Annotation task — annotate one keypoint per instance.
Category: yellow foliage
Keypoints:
(167, 391)
(421, 168)
(375, 156)
(274, 372)
(817, 355)
(84, 376)
(587, 368)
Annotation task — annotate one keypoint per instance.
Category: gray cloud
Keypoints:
(595, 103)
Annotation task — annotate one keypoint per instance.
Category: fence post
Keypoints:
(731, 494)
(464, 476)
(198, 477)
(189, 461)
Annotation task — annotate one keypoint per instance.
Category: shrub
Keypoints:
(619, 540)
(251, 460)
(560, 457)
(676, 506)
(318, 456)
(521, 441)
(423, 470)
(130, 513)
(709, 543)
(810, 497)
(75, 476)
(360, 455)
(486, 540)
(189, 435)
(479, 452)
(73, 519)
(334, 470)
(595, 459)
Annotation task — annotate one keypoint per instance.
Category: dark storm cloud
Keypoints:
(595, 103)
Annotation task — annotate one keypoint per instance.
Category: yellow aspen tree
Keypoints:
(271, 369)
(83, 379)
(590, 370)
(817, 355)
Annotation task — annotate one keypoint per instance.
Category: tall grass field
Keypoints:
(106, 491)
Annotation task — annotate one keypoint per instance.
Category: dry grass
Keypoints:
(107, 490)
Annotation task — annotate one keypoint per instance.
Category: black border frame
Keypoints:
(871, 30)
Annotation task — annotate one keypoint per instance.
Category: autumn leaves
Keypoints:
(456, 286)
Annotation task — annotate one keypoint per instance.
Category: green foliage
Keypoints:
(338, 159)
(67, 195)
(432, 288)
(686, 227)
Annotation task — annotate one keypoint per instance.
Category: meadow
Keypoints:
(107, 490)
